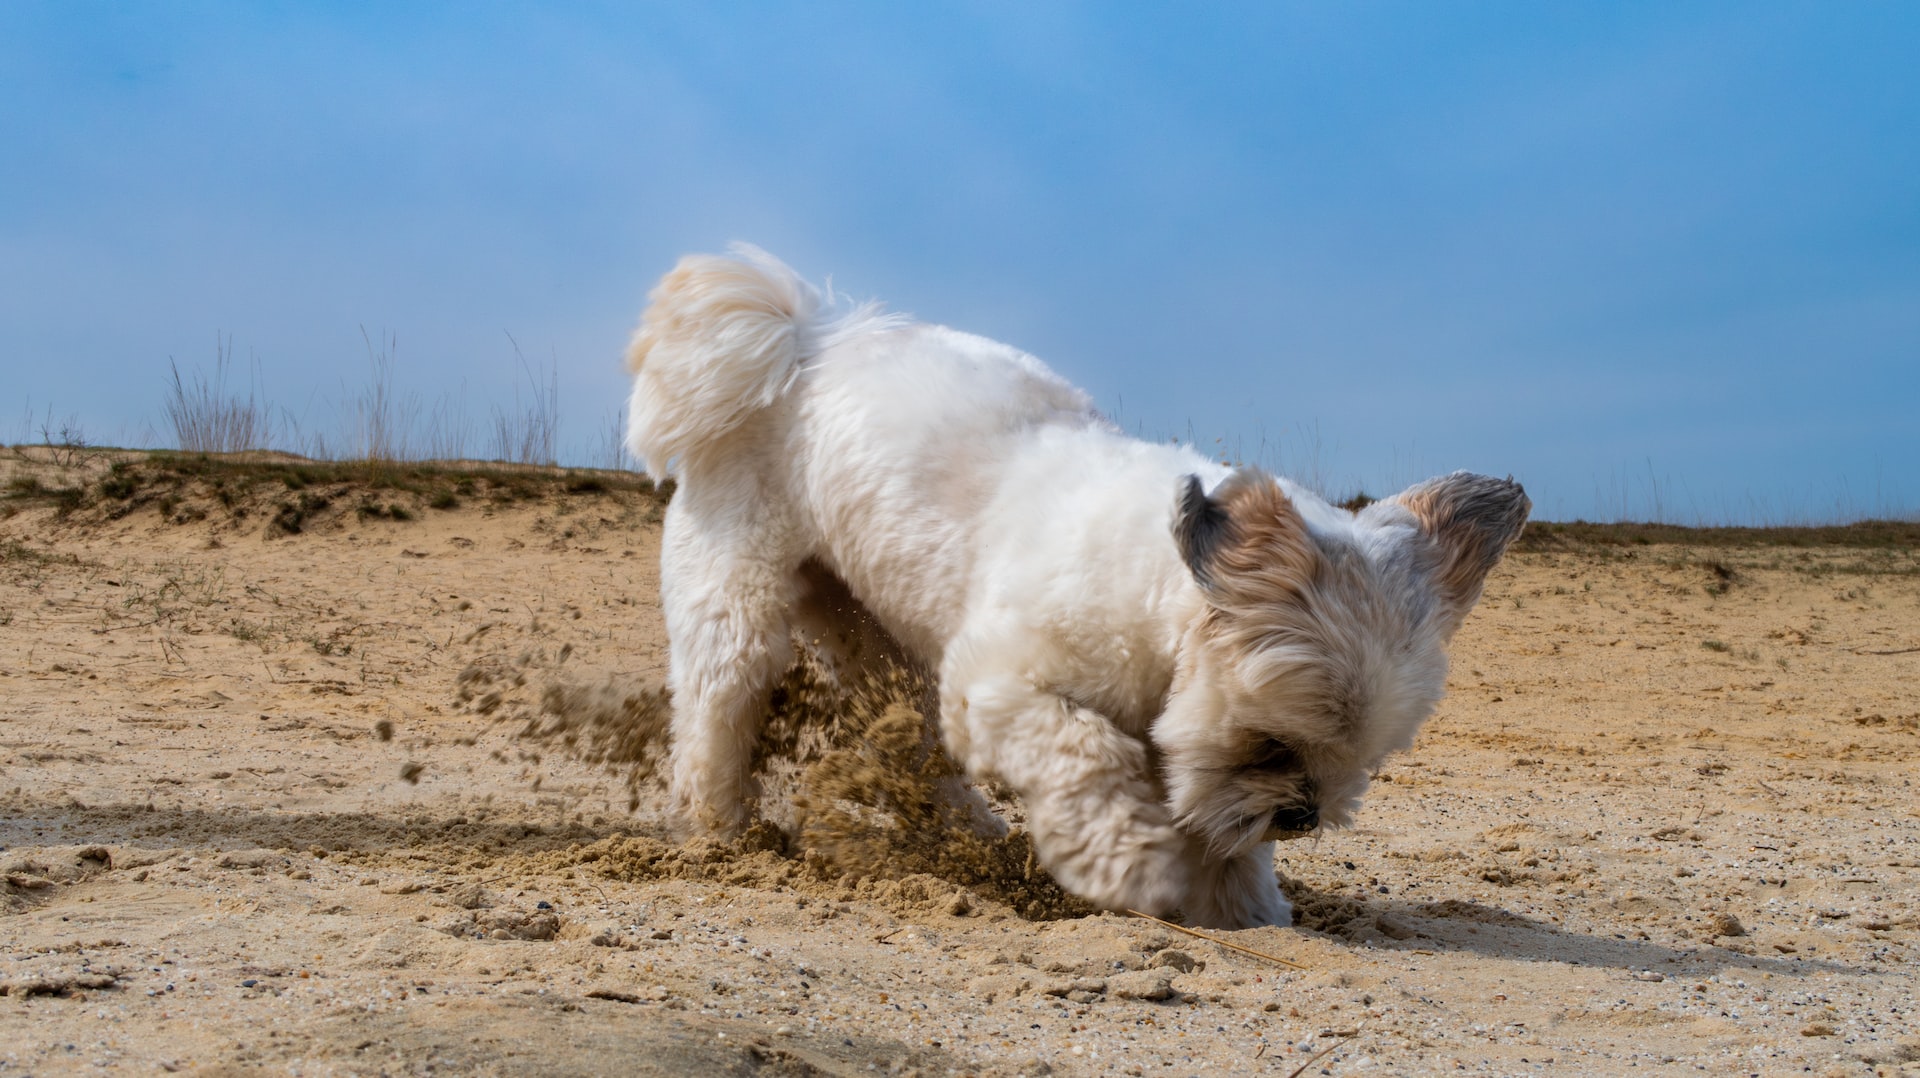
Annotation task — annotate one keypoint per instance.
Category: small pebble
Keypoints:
(1726, 924)
(1172, 959)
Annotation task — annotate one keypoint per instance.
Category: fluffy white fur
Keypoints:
(1173, 663)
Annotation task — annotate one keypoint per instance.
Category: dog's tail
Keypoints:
(723, 339)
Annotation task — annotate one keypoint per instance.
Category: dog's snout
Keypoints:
(1296, 818)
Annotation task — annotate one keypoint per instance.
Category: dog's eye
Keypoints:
(1276, 755)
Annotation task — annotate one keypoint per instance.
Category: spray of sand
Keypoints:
(856, 789)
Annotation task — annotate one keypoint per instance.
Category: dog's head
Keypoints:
(1321, 647)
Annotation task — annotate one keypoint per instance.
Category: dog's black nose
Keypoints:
(1296, 818)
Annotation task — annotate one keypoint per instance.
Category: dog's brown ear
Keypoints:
(1200, 529)
(1246, 544)
(1472, 519)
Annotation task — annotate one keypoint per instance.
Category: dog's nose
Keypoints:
(1296, 818)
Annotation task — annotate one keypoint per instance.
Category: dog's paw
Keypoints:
(1221, 909)
(1239, 892)
(700, 815)
(1142, 869)
(969, 808)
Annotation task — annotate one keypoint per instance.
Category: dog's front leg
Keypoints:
(1233, 892)
(1097, 822)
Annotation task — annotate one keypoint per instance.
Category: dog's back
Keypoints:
(874, 432)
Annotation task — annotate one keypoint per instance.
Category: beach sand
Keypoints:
(268, 802)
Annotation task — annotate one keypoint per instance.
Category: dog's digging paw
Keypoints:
(1215, 909)
(700, 817)
(1239, 892)
(1139, 872)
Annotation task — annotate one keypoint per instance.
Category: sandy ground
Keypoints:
(250, 819)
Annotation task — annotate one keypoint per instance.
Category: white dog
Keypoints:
(1174, 663)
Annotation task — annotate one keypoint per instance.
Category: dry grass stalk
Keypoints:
(382, 417)
(1218, 941)
(1315, 1058)
(206, 420)
(527, 434)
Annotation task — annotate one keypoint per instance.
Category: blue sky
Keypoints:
(1618, 250)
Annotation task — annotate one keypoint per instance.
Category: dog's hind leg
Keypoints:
(729, 581)
(1096, 820)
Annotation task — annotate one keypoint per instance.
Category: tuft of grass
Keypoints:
(610, 447)
(373, 510)
(291, 517)
(449, 431)
(528, 433)
(205, 419)
(120, 482)
(1720, 646)
(329, 645)
(382, 417)
(14, 552)
(28, 488)
(249, 633)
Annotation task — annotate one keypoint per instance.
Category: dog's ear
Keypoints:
(1471, 519)
(1201, 529)
(1244, 545)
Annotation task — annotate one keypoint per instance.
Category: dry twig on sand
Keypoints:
(1217, 940)
(1302, 1068)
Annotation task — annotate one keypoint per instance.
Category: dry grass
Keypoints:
(379, 422)
(528, 433)
(291, 492)
(206, 419)
(1865, 534)
(383, 417)
(1218, 942)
